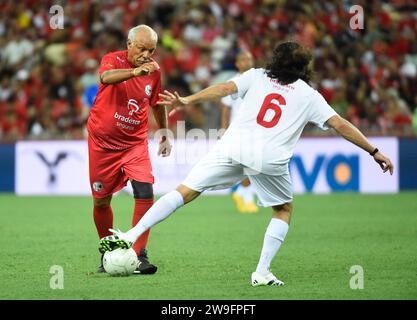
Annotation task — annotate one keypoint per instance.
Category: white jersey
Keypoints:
(270, 121)
(233, 103)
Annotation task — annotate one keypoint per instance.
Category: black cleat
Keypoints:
(101, 267)
(144, 266)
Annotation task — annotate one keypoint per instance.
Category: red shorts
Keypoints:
(111, 169)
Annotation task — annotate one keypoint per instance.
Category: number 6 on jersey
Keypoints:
(270, 104)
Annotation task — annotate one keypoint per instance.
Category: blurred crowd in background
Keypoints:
(49, 76)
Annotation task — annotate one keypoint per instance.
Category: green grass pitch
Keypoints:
(207, 250)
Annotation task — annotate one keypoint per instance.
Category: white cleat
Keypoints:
(265, 280)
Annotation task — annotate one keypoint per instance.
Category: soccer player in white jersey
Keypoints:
(277, 104)
(242, 193)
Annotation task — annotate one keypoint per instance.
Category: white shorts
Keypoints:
(217, 171)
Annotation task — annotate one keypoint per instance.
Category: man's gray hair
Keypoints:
(132, 32)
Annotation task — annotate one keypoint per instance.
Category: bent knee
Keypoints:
(142, 190)
(285, 207)
(283, 211)
(101, 202)
(187, 194)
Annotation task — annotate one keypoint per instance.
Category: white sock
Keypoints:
(274, 236)
(160, 210)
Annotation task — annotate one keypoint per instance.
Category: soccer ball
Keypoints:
(120, 262)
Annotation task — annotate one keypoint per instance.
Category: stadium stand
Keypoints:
(49, 77)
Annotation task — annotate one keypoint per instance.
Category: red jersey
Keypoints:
(119, 117)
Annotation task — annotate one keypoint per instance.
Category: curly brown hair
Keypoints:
(290, 62)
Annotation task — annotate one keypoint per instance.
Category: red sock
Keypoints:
(103, 218)
(141, 206)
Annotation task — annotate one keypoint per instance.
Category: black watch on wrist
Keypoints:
(374, 152)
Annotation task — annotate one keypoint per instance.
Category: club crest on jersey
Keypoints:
(97, 186)
(148, 90)
(133, 106)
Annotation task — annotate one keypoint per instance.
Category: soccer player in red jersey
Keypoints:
(117, 133)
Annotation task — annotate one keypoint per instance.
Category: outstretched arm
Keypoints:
(211, 93)
(348, 131)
